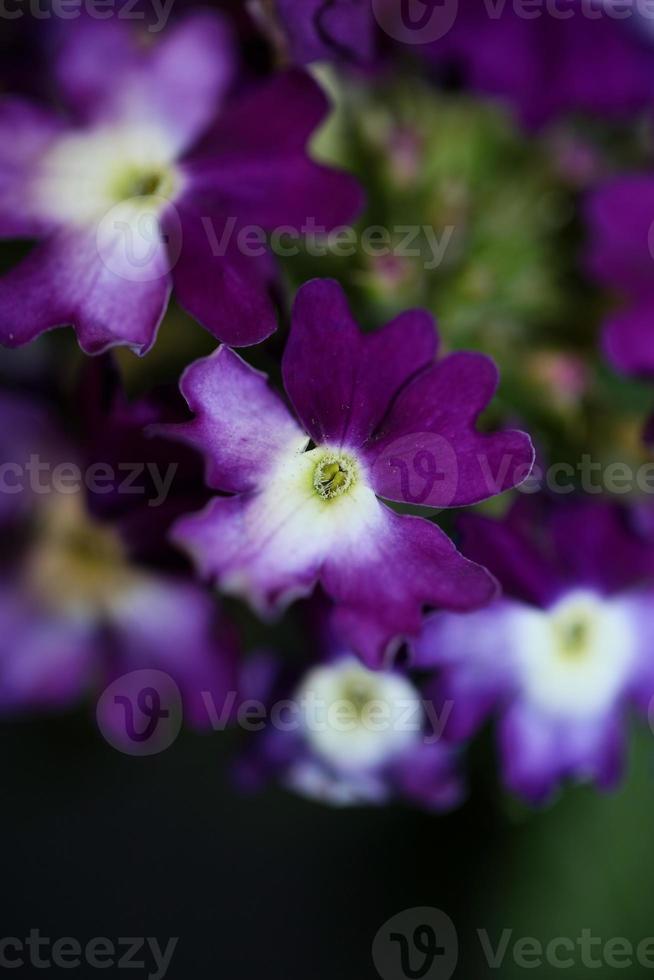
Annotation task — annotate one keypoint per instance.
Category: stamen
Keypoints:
(573, 636)
(334, 475)
(358, 692)
(142, 182)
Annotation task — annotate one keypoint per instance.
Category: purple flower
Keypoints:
(562, 655)
(620, 219)
(546, 64)
(344, 735)
(376, 417)
(327, 30)
(148, 185)
(77, 610)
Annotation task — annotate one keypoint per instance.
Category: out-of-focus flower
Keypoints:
(345, 735)
(576, 160)
(76, 610)
(560, 658)
(620, 254)
(464, 216)
(320, 30)
(565, 378)
(148, 184)
(552, 62)
(383, 421)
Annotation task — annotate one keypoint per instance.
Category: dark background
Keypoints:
(100, 844)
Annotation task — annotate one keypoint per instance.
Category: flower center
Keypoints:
(76, 564)
(575, 657)
(355, 718)
(143, 181)
(334, 475)
(574, 635)
(358, 691)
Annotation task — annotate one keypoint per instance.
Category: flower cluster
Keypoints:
(304, 181)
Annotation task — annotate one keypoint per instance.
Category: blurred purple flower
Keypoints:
(149, 182)
(376, 408)
(76, 610)
(549, 63)
(561, 657)
(620, 254)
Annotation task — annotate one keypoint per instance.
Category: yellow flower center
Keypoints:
(135, 181)
(334, 475)
(574, 636)
(75, 563)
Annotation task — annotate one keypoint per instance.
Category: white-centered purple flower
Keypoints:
(376, 417)
(345, 735)
(147, 184)
(560, 658)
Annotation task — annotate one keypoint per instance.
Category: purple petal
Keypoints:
(619, 216)
(472, 653)
(253, 168)
(513, 558)
(429, 775)
(271, 547)
(70, 279)
(539, 752)
(277, 117)
(26, 429)
(322, 30)
(45, 661)
(641, 688)
(596, 545)
(556, 64)
(241, 425)
(340, 381)
(628, 339)
(228, 293)
(86, 50)
(26, 131)
(274, 191)
(268, 559)
(170, 625)
(181, 81)
(383, 584)
(429, 434)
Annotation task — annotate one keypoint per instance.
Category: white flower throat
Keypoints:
(355, 718)
(573, 659)
(86, 173)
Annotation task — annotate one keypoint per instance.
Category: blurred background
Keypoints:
(100, 844)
